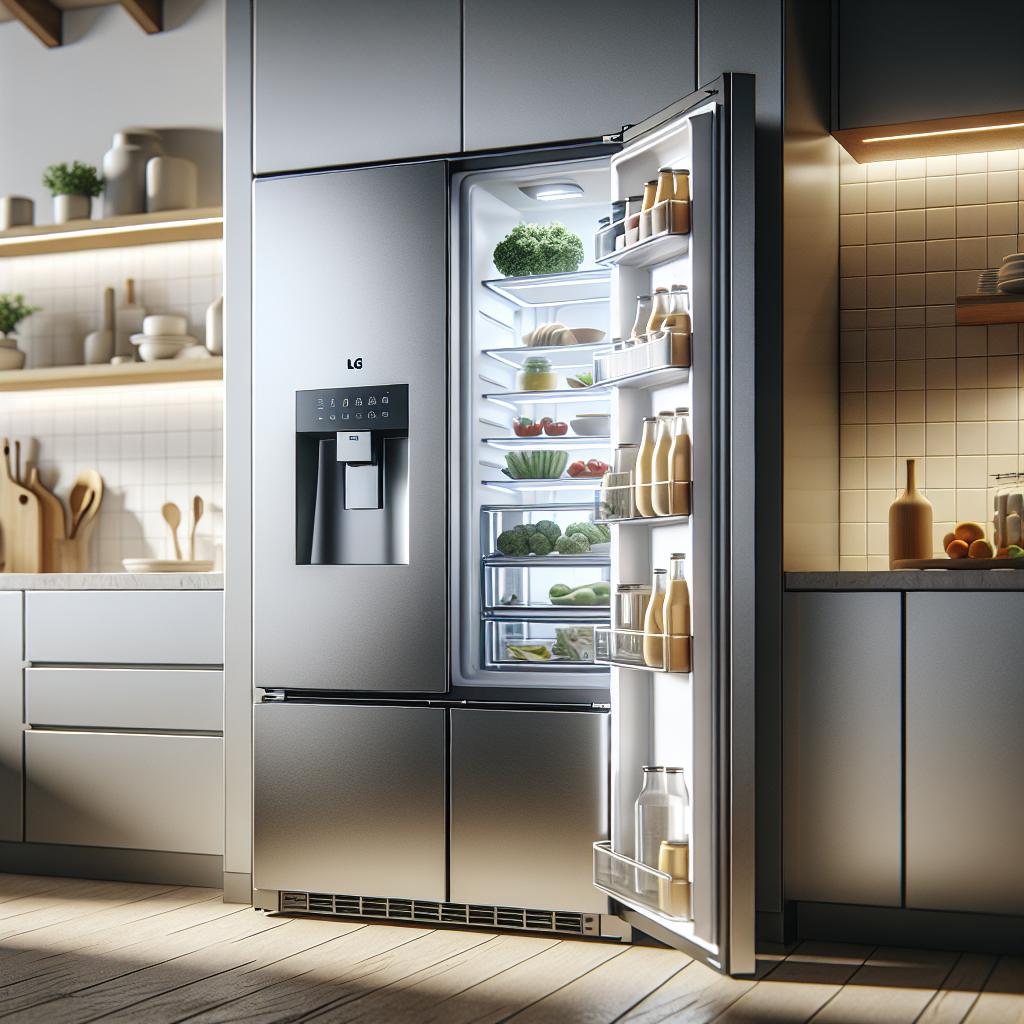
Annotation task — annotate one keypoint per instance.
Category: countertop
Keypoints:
(912, 579)
(112, 581)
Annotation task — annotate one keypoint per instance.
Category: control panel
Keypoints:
(378, 407)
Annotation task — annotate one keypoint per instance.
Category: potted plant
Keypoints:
(72, 189)
(12, 311)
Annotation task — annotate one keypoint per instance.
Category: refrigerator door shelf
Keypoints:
(539, 290)
(651, 252)
(625, 648)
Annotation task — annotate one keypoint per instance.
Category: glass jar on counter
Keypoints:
(1007, 504)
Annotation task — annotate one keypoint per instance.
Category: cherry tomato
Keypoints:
(553, 429)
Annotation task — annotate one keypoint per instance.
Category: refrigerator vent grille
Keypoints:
(445, 913)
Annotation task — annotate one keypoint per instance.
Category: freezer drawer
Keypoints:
(349, 799)
(153, 627)
(127, 790)
(181, 700)
(529, 796)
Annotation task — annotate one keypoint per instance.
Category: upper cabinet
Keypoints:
(347, 83)
(924, 59)
(538, 72)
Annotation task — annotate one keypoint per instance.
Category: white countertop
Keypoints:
(909, 579)
(112, 581)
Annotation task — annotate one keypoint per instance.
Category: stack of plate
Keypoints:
(164, 337)
(988, 282)
(1011, 274)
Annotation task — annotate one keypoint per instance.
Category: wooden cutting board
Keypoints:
(958, 563)
(21, 522)
(53, 522)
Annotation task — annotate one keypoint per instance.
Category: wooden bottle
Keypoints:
(910, 522)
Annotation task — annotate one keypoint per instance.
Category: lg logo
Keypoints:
(355, 365)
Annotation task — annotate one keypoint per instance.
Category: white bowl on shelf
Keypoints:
(164, 324)
(591, 424)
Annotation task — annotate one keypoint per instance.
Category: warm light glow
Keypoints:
(119, 229)
(948, 131)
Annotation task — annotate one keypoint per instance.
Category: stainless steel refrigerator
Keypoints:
(437, 737)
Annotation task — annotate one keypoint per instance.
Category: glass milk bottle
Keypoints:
(661, 309)
(660, 816)
(643, 476)
(666, 187)
(650, 191)
(675, 616)
(643, 314)
(654, 622)
(661, 491)
(680, 469)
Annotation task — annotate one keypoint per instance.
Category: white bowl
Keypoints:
(193, 352)
(181, 340)
(591, 426)
(153, 325)
(11, 359)
(151, 351)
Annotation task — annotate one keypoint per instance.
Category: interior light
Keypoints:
(552, 190)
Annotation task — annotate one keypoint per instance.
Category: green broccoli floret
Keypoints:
(520, 531)
(572, 544)
(512, 543)
(535, 249)
(589, 530)
(539, 544)
(550, 529)
(605, 531)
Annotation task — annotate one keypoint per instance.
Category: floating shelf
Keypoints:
(577, 288)
(566, 442)
(1000, 308)
(135, 229)
(649, 253)
(164, 371)
(562, 356)
(512, 399)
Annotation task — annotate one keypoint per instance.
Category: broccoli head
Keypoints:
(589, 530)
(535, 249)
(512, 543)
(550, 529)
(539, 544)
(572, 544)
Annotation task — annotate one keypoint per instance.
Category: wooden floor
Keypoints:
(73, 951)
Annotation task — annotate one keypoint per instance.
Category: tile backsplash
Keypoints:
(181, 278)
(913, 235)
(151, 444)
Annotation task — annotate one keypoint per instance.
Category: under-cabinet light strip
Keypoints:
(947, 131)
(118, 229)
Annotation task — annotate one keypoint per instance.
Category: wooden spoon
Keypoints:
(84, 499)
(197, 514)
(173, 516)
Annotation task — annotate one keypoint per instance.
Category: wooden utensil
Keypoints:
(87, 492)
(21, 522)
(53, 522)
(197, 514)
(172, 514)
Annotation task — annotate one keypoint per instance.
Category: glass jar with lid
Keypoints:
(1007, 503)
(537, 374)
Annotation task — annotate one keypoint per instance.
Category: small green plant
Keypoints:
(12, 311)
(76, 180)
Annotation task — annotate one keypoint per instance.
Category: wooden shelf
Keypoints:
(989, 309)
(136, 229)
(164, 371)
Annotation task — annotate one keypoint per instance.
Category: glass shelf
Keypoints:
(514, 399)
(566, 442)
(560, 356)
(649, 253)
(562, 483)
(597, 560)
(581, 286)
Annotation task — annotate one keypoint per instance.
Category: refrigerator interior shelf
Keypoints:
(626, 649)
(562, 356)
(548, 561)
(567, 442)
(594, 614)
(561, 483)
(655, 377)
(643, 888)
(572, 289)
(533, 642)
(513, 399)
(650, 252)
(647, 521)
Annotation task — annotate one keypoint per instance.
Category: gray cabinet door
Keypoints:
(923, 59)
(10, 715)
(349, 83)
(842, 758)
(349, 800)
(350, 267)
(529, 797)
(538, 72)
(129, 790)
(965, 754)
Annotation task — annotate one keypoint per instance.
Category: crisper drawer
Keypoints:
(124, 790)
(150, 627)
(184, 700)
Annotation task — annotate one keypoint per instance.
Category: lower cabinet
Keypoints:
(529, 797)
(130, 790)
(965, 752)
(10, 715)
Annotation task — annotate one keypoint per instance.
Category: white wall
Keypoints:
(65, 104)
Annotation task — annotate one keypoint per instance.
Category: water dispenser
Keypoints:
(352, 476)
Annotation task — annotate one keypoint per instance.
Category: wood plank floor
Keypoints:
(73, 951)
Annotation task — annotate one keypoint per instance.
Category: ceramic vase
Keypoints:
(67, 208)
(171, 184)
(15, 211)
(124, 171)
(910, 522)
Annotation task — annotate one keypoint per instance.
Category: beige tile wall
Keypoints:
(913, 235)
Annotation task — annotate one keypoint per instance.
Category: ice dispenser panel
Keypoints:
(352, 476)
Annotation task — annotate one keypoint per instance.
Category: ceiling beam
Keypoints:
(148, 13)
(40, 17)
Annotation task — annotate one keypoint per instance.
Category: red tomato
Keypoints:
(553, 429)
(545, 420)
(597, 466)
(533, 430)
(575, 469)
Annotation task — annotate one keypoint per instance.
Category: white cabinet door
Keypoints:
(126, 790)
(179, 700)
(10, 715)
(151, 627)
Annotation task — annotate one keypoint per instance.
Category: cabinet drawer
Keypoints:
(125, 698)
(152, 627)
(124, 790)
